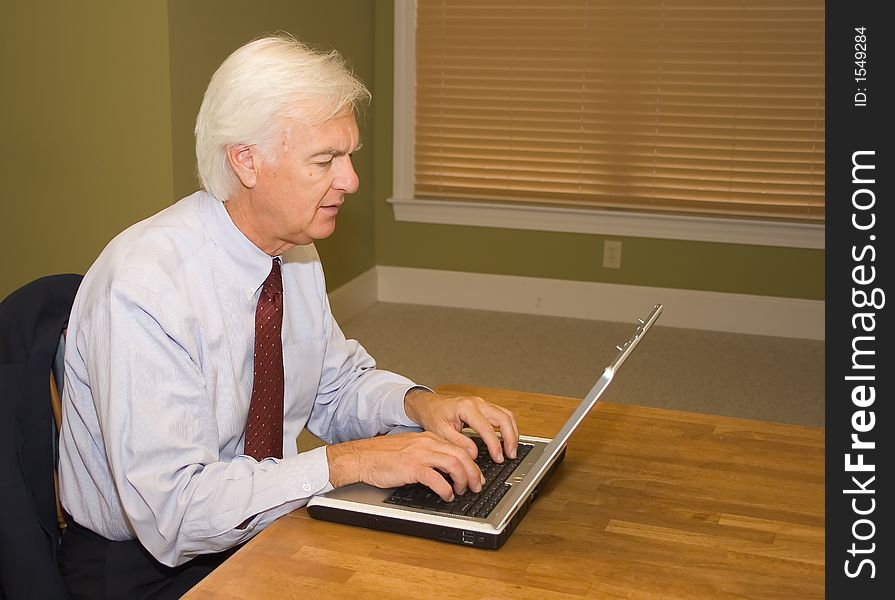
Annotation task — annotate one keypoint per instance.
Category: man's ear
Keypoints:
(245, 162)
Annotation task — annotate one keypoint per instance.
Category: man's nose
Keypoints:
(346, 179)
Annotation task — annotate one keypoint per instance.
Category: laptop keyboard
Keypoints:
(417, 495)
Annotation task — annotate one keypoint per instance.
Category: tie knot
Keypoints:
(274, 282)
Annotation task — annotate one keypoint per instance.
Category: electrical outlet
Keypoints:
(612, 254)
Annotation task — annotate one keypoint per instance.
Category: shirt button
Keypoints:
(307, 487)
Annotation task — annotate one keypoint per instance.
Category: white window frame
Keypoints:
(407, 207)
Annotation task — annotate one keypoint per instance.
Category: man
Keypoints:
(201, 343)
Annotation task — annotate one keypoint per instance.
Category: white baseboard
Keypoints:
(690, 309)
(354, 296)
(712, 311)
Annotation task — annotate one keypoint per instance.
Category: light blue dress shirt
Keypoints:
(158, 380)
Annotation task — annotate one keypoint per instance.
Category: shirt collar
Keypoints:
(250, 264)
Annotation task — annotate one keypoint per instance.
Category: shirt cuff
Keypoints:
(393, 414)
(308, 476)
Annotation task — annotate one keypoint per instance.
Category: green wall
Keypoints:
(204, 32)
(760, 270)
(86, 130)
(99, 124)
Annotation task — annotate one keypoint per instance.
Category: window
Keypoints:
(697, 120)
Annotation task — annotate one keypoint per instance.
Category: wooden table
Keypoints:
(649, 503)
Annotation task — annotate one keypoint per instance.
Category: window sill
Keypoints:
(607, 222)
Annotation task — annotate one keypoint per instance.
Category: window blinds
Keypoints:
(696, 106)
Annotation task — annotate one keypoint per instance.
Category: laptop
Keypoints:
(486, 519)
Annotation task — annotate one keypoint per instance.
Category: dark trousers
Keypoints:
(96, 568)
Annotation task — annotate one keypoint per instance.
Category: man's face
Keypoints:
(303, 179)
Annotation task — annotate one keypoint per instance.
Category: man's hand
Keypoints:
(447, 415)
(394, 460)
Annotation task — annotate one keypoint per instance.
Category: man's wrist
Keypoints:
(344, 463)
(411, 397)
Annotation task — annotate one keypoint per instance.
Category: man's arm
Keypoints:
(356, 402)
(161, 438)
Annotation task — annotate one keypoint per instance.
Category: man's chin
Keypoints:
(322, 230)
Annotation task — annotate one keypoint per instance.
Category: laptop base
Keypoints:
(454, 535)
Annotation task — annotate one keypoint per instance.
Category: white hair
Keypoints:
(255, 88)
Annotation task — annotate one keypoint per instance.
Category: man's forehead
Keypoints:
(333, 151)
(309, 116)
(338, 135)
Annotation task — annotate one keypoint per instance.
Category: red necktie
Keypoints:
(264, 427)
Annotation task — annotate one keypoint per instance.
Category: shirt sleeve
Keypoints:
(355, 399)
(161, 438)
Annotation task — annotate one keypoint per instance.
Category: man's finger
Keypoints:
(464, 473)
(436, 482)
(509, 430)
(456, 437)
(483, 427)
